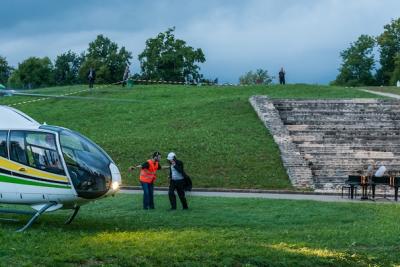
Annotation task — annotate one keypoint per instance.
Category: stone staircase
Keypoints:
(336, 138)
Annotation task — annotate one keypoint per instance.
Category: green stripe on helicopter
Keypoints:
(13, 180)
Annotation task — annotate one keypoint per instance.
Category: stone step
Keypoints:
(334, 163)
(350, 156)
(370, 103)
(376, 146)
(345, 113)
(350, 134)
(343, 172)
(360, 119)
(326, 179)
(334, 179)
(346, 146)
(317, 123)
(335, 127)
(342, 153)
(345, 163)
(338, 110)
(327, 111)
(336, 107)
(340, 139)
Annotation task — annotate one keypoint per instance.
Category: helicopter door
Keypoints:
(36, 150)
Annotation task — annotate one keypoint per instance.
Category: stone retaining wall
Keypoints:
(324, 141)
(298, 171)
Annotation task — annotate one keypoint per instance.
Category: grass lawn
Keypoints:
(214, 130)
(214, 232)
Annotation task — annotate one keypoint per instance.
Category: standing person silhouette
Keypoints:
(125, 76)
(91, 77)
(282, 74)
(177, 177)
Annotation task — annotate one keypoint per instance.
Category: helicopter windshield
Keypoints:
(87, 164)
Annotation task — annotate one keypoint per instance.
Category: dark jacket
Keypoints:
(93, 75)
(179, 167)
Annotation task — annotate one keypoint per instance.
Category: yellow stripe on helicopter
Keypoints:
(17, 167)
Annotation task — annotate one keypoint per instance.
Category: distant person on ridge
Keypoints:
(282, 76)
(126, 76)
(91, 76)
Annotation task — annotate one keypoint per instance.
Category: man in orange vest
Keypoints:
(147, 178)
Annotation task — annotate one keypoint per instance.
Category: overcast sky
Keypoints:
(303, 36)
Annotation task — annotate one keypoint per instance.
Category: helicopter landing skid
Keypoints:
(36, 215)
(72, 217)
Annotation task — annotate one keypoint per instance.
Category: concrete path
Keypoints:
(322, 198)
(381, 93)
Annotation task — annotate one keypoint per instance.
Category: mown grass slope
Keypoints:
(214, 130)
(214, 232)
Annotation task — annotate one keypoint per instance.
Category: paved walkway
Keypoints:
(322, 198)
(381, 93)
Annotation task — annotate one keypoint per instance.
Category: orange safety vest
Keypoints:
(149, 175)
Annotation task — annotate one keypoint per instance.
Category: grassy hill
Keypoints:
(213, 130)
(214, 232)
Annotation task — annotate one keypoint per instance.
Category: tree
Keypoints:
(5, 70)
(108, 60)
(260, 76)
(389, 47)
(33, 73)
(396, 72)
(358, 63)
(169, 59)
(66, 68)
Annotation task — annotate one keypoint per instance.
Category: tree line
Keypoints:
(359, 66)
(164, 58)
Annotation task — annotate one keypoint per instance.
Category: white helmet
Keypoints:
(171, 156)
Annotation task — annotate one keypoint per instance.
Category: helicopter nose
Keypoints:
(116, 177)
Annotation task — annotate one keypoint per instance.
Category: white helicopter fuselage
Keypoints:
(41, 164)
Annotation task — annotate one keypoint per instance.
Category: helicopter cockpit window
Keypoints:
(3, 144)
(88, 165)
(17, 147)
(37, 150)
(42, 152)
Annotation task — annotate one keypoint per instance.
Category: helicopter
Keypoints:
(50, 167)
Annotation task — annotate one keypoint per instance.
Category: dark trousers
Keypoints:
(282, 80)
(91, 82)
(148, 195)
(179, 186)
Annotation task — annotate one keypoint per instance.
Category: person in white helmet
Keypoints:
(177, 177)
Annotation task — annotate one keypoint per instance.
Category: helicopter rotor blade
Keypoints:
(77, 97)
